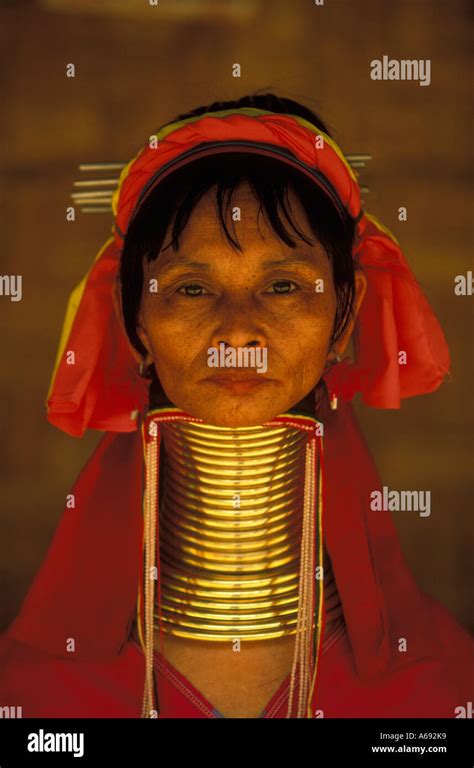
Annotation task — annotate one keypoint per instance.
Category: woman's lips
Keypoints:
(238, 384)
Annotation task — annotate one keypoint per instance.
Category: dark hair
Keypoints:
(174, 198)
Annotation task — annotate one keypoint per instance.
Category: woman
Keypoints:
(219, 555)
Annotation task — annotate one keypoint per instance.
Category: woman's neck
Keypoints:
(231, 503)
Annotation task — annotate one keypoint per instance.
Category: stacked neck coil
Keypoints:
(230, 530)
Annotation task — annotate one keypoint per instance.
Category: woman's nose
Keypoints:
(239, 326)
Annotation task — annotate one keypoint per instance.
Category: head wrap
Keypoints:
(96, 381)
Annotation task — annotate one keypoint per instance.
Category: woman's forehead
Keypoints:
(245, 219)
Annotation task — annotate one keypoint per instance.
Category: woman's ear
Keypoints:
(339, 347)
(143, 336)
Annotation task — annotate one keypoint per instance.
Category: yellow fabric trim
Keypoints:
(381, 226)
(71, 311)
(122, 177)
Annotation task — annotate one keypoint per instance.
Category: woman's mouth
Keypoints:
(238, 383)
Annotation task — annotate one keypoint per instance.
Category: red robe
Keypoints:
(86, 589)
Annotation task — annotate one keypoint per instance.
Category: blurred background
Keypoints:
(137, 66)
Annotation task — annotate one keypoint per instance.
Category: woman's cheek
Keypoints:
(177, 344)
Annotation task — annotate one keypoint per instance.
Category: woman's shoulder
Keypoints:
(34, 683)
(456, 641)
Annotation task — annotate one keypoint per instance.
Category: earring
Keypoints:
(143, 368)
(333, 395)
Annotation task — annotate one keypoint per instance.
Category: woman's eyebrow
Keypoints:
(167, 266)
(290, 261)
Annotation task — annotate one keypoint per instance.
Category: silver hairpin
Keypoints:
(96, 195)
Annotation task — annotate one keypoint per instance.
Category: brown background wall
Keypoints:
(136, 67)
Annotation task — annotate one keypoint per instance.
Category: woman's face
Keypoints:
(266, 298)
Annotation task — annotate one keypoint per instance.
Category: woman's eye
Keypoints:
(191, 289)
(283, 286)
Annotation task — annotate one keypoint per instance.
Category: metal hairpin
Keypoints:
(97, 194)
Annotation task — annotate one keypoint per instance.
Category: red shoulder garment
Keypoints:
(87, 586)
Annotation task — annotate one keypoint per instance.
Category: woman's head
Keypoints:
(243, 251)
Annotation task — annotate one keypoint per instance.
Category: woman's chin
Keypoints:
(235, 410)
